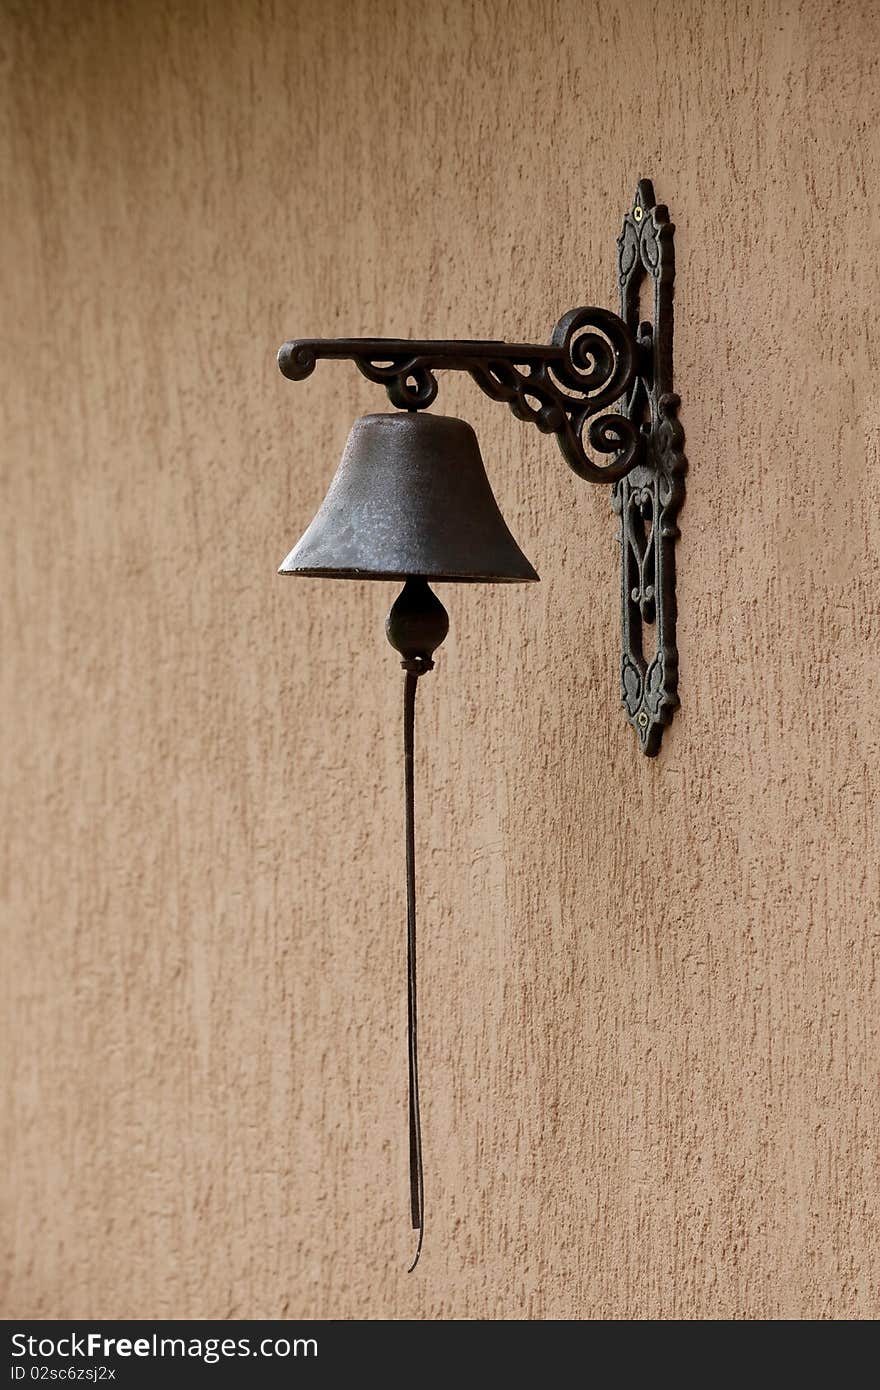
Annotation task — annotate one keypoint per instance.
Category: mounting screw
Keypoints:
(642, 719)
(638, 213)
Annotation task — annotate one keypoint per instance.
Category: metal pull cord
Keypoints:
(415, 627)
(416, 1170)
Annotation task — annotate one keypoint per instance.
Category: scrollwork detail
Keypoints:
(410, 383)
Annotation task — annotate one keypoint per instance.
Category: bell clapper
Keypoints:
(417, 625)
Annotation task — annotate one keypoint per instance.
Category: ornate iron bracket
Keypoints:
(648, 499)
(561, 386)
(594, 359)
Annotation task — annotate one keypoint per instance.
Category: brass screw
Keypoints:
(638, 213)
(642, 719)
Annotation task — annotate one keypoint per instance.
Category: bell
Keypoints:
(410, 497)
(410, 500)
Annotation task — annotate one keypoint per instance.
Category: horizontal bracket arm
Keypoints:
(564, 387)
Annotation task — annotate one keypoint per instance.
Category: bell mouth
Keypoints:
(400, 575)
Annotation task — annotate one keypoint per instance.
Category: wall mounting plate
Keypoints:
(649, 497)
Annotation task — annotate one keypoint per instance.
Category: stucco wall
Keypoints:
(650, 989)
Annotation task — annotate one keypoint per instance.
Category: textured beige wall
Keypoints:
(650, 989)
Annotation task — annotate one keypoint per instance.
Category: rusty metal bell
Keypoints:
(410, 497)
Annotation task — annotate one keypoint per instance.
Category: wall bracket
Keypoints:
(564, 387)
